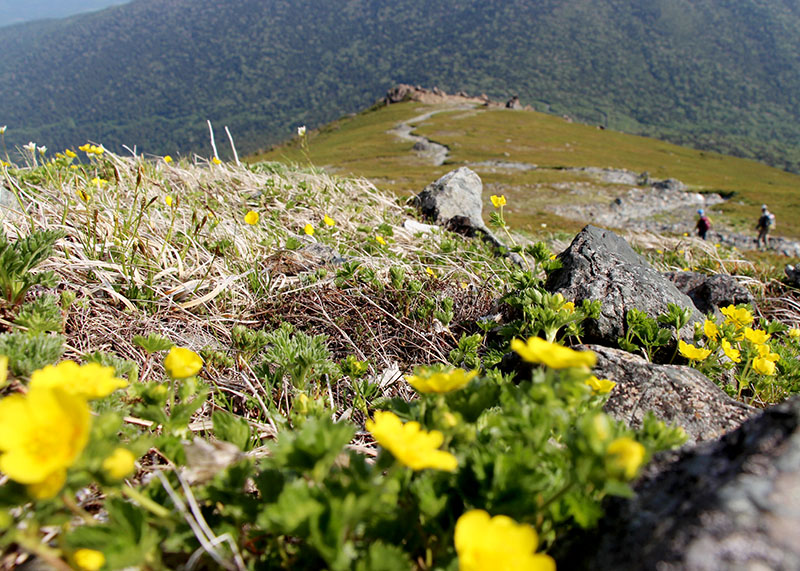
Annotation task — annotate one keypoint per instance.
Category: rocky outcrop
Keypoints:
(675, 394)
(514, 103)
(455, 202)
(599, 265)
(709, 293)
(733, 503)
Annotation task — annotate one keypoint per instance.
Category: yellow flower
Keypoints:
(498, 543)
(182, 363)
(439, 381)
(251, 217)
(70, 153)
(379, 239)
(430, 272)
(121, 463)
(328, 221)
(739, 317)
(733, 354)
(96, 150)
(308, 229)
(794, 333)
(691, 352)
(49, 487)
(4, 164)
(764, 366)
(85, 196)
(84, 148)
(89, 559)
(99, 182)
(555, 356)
(216, 161)
(89, 381)
(710, 329)
(756, 336)
(168, 200)
(600, 386)
(765, 352)
(167, 159)
(498, 201)
(409, 444)
(624, 456)
(41, 433)
(569, 307)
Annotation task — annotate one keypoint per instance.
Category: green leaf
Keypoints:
(382, 557)
(231, 428)
(153, 343)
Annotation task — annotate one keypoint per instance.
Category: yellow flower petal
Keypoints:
(251, 218)
(600, 386)
(739, 317)
(441, 382)
(409, 444)
(710, 329)
(41, 433)
(555, 356)
(308, 229)
(485, 543)
(328, 221)
(120, 464)
(498, 201)
(691, 352)
(182, 363)
(764, 366)
(49, 486)
(624, 456)
(89, 559)
(89, 381)
(733, 354)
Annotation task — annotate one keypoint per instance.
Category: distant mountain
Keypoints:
(721, 74)
(17, 11)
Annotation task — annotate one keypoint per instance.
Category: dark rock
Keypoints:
(599, 265)
(514, 103)
(669, 184)
(675, 394)
(792, 275)
(733, 503)
(710, 292)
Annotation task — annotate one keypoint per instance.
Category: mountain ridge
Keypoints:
(263, 68)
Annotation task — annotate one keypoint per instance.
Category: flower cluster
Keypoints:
(92, 149)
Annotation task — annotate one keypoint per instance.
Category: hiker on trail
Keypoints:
(703, 224)
(766, 222)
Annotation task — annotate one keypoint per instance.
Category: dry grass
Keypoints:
(192, 271)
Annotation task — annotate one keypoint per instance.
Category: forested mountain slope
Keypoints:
(721, 74)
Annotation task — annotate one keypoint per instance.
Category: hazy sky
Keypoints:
(16, 11)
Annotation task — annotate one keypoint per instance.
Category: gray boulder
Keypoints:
(709, 293)
(675, 394)
(733, 503)
(455, 202)
(599, 265)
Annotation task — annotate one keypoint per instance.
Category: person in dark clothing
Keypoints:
(766, 222)
(703, 224)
